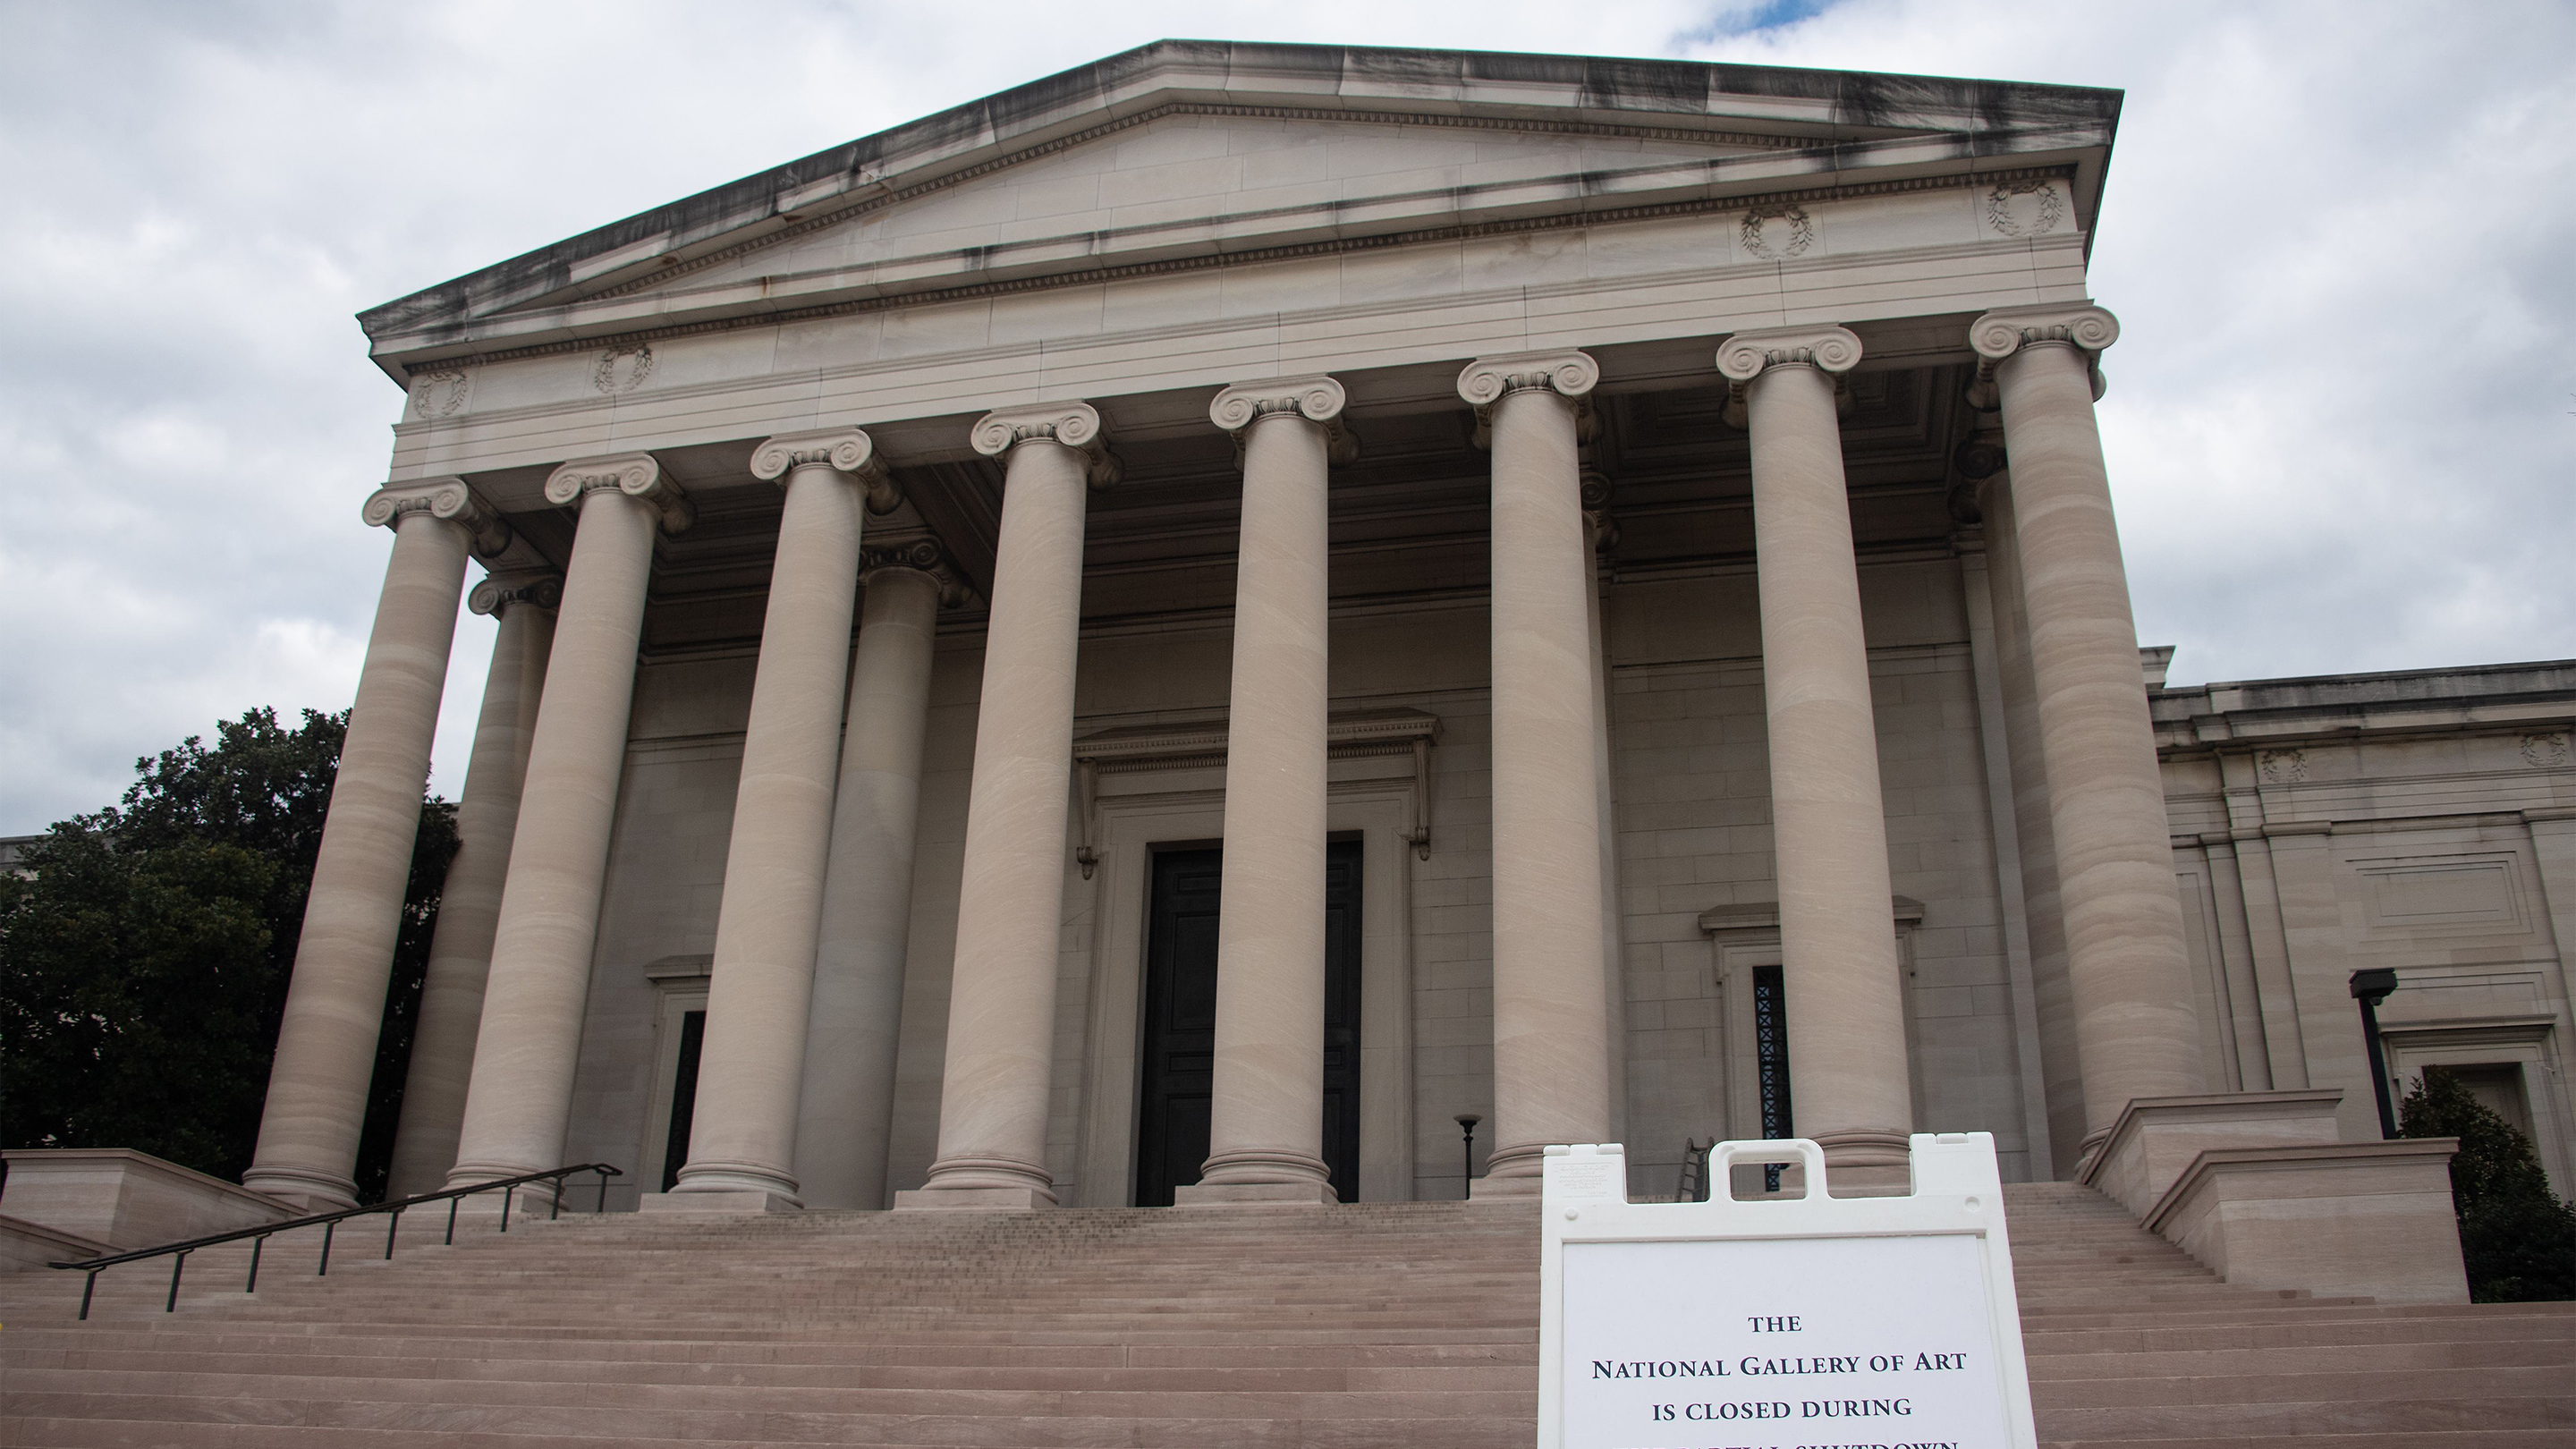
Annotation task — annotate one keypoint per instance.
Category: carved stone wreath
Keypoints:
(2544, 751)
(1999, 208)
(1802, 232)
(438, 394)
(2283, 767)
(623, 369)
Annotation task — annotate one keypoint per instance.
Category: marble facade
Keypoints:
(1654, 508)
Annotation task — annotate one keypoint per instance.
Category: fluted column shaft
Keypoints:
(1001, 1006)
(845, 1114)
(1847, 1054)
(525, 1050)
(742, 1138)
(1551, 1033)
(335, 1000)
(469, 901)
(1265, 1115)
(2136, 1030)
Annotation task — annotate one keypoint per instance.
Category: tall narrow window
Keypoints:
(1771, 1062)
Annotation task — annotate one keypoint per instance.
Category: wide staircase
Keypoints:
(1398, 1325)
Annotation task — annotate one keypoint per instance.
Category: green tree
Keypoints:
(2517, 1239)
(143, 966)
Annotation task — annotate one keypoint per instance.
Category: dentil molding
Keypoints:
(443, 498)
(1318, 399)
(845, 450)
(1075, 425)
(637, 475)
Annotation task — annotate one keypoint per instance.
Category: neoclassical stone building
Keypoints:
(1163, 635)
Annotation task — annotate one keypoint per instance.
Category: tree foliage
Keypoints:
(144, 963)
(2517, 1238)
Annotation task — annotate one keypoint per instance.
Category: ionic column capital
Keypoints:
(451, 499)
(845, 450)
(1317, 399)
(918, 555)
(2007, 330)
(637, 475)
(1075, 425)
(497, 593)
(1747, 355)
(1568, 373)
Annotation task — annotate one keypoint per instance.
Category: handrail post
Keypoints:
(451, 1218)
(603, 1188)
(506, 1194)
(256, 1244)
(171, 1305)
(393, 1220)
(87, 1288)
(328, 1229)
(554, 1208)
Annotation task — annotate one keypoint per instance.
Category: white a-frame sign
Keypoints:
(1809, 1322)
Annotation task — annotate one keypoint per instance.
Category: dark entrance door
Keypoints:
(1179, 1042)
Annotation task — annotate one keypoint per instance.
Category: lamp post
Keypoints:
(2371, 988)
(1467, 1127)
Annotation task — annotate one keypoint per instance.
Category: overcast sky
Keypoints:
(2341, 238)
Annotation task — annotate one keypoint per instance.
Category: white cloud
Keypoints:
(2336, 235)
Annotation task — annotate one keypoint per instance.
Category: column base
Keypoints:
(1254, 1194)
(1867, 1162)
(974, 1199)
(305, 1192)
(727, 1201)
(1492, 1187)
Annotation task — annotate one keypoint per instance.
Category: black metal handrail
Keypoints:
(330, 1224)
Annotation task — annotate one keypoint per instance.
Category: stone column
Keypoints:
(1551, 1031)
(524, 1051)
(1847, 1056)
(1001, 1004)
(469, 902)
(1265, 1120)
(2136, 1029)
(335, 1001)
(742, 1138)
(845, 1113)
(1604, 537)
(2059, 1067)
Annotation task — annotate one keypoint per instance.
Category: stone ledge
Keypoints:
(2155, 1139)
(25, 1245)
(2365, 1219)
(127, 1199)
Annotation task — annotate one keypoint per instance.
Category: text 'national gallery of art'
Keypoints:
(1167, 637)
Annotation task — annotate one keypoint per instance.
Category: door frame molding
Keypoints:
(1139, 811)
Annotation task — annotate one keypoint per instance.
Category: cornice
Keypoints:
(610, 337)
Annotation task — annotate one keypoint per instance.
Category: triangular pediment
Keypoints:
(1199, 153)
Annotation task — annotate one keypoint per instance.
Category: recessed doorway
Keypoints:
(1178, 1044)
